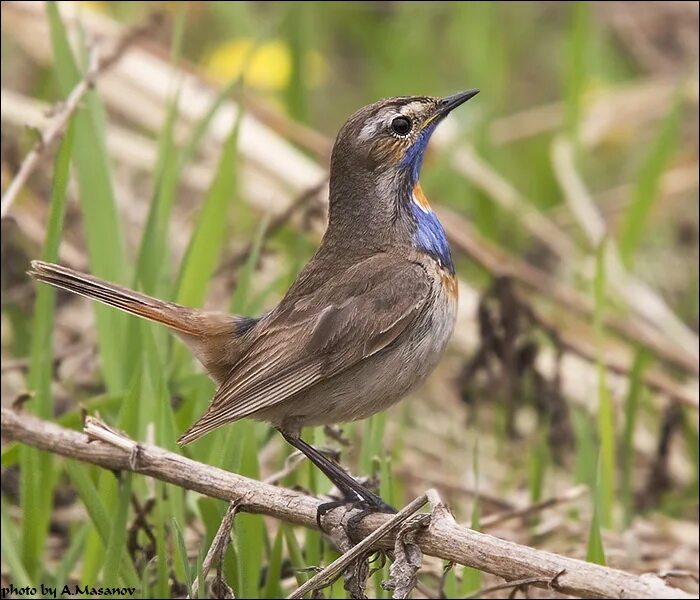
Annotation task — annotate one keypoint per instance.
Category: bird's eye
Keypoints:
(401, 125)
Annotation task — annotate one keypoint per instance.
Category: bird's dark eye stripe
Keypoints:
(401, 125)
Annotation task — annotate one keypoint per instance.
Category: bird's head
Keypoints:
(391, 135)
(375, 199)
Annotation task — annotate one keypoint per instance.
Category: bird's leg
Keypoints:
(353, 491)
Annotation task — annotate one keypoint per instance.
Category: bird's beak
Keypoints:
(449, 103)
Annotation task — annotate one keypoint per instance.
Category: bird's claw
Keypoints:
(366, 506)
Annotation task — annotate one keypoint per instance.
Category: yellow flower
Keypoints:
(95, 6)
(266, 66)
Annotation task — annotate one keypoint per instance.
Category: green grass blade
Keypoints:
(585, 463)
(200, 130)
(10, 455)
(99, 515)
(595, 552)
(71, 556)
(240, 301)
(450, 586)
(296, 556)
(181, 552)
(631, 408)
(145, 589)
(102, 225)
(93, 556)
(10, 549)
(337, 589)
(116, 546)
(162, 587)
(646, 189)
(471, 577)
(577, 49)
(36, 467)
(201, 580)
(606, 413)
(273, 587)
(154, 241)
(208, 238)
(249, 530)
(372, 443)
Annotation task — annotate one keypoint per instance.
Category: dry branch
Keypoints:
(51, 135)
(96, 66)
(568, 496)
(444, 538)
(638, 295)
(500, 263)
(331, 572)
(218, 546)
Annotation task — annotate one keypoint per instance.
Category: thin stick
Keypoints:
(500, 263)
(277, 223)
(639, 296)
(515, 584)
(568, 496)
(56, 128)
(331, 572)
(52, 133)
(444, 538)
(218, 545)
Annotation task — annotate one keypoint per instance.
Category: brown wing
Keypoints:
(318, 336)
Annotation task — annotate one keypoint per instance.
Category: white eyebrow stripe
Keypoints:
(384, 117)
(413, 108)
(369, 129)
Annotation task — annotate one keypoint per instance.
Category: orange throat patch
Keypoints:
(449, 282)
(420, 199)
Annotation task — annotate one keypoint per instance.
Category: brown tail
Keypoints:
(181, 319)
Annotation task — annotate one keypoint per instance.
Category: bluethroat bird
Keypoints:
(366, 319)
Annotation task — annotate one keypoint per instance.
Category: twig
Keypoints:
(444, 538)
(288, 128)
(569, 496)
(638, 295)
(426, 591)
(96, 66)
(331, 572)
(516, 584)
(290, 465)
(277, 223)
(656, 380)
(218, 545)
(470, 165)
(681, 573)
(52, 133)
(675, 183)
(499, 263)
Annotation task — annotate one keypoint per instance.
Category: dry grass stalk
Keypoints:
(444, 538)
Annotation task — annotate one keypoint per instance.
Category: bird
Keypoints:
(366, 319)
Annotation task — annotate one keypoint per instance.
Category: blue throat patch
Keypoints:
(429, 236)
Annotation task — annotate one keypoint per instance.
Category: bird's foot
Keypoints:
(366, 506)
(325, 508)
